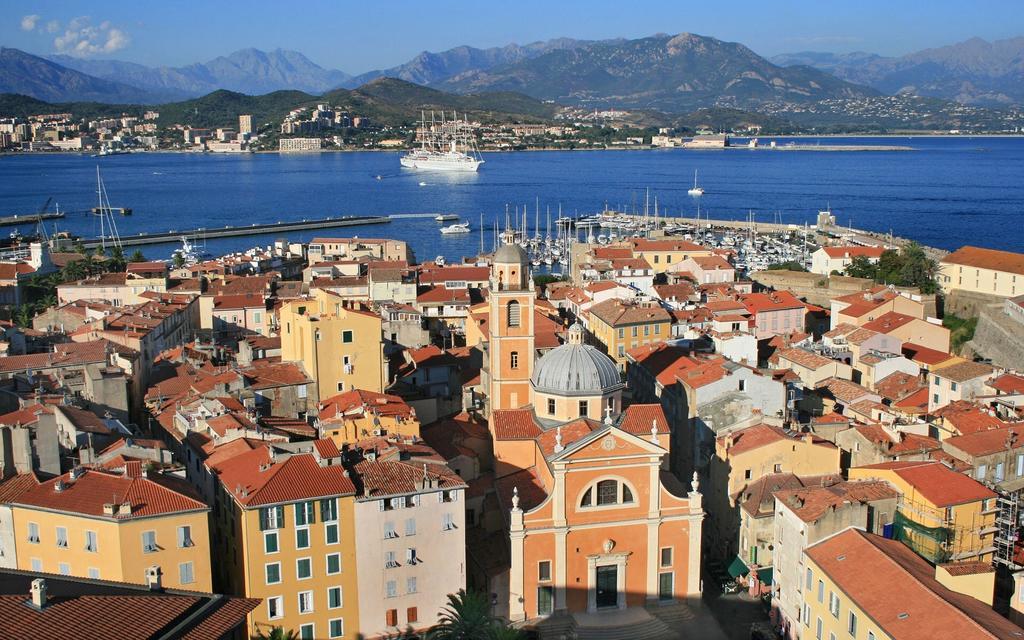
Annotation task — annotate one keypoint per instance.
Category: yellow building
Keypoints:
(662, 254)
(977, 270)
(115, 526)
(288, 534)
(942, 515)
(338, 342)
(356, 415)
(859, 585)
(623, 325)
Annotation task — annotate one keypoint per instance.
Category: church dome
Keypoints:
(576, 369)
(510, 253)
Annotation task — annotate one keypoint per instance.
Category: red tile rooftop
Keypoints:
(936, 482)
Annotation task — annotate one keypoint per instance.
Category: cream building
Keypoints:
(977, 270)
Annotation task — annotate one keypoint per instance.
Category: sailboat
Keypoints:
(695, 191)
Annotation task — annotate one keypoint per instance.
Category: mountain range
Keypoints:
(972, 72)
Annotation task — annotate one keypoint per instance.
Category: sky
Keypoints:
(360, 36)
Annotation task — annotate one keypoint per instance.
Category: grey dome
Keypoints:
(510, 253)
(576, 370)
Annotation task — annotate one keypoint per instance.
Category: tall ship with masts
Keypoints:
(445, 145)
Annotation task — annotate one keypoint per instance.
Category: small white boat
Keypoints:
(695, 191)
(445, 217)
(462, 227)
(379, 177)
(423, 184)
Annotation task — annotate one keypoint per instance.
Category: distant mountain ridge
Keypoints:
(30, 75)
(671, 73)
(974, 71)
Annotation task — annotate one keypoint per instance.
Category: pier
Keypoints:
(28, 218)
(229, 231)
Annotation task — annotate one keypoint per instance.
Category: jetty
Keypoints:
(29, 218)
(234, 231)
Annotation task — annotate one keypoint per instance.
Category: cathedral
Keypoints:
(595, 520)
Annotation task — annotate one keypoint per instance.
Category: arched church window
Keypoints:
(513, 314)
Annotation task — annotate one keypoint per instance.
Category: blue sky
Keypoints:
(369, 34)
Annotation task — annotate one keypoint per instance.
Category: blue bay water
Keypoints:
(947, 192)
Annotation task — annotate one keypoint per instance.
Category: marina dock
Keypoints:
(239, 231)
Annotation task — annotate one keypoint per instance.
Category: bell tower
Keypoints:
(510, 344)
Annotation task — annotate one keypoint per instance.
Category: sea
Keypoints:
(944, 192)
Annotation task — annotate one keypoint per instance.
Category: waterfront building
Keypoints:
(292, 145)
(338, 342)
(114, 525)
(836, 258)
(982, 271)
(943, 515)
(327, 249)
(245, 124)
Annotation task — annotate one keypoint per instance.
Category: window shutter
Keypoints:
(264, 524)
(392, 617)
(412, 615)
(280, 516)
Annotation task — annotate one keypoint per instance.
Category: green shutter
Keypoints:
(264, 524)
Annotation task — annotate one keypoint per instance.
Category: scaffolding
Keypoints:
(931, 543)
(1008, 526)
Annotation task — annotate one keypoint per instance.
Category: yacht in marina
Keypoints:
(458, 227)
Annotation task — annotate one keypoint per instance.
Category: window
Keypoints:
(647, 329)
(271, 517)
(149, 541)
(999, 472)
(37, 564)
(331, 533)
(329, 509)
(807, 615)
(746, 474)
(514, 359)
(833, 604)
(851, 625)
(305, 601)
(33, 532)
(62, 537)
(336, 627)
(410, 527)
(94, 573)
(391, 617)
(551, 412)
(743, 383)
(817, 630)
(389, 560)
(410, 556)
(583, 408)
(273, 571)
(935, 380)
(871, 635)
(544, 570)
(513, 313)
(810, 575)
(186, 575)
(64, 569)
(333, 563)
(304, 513)
(633, 331)
(307, 632)
(1020, 464)
(303, 568)
(274, 608)
(608, 492)
(447, 522)
(410, 584)
(334, 598)
(185, 537)
(935, 398)
(270, 542)
(657, 329)
(391, 589)
(622, 350)
(622, 332)
(778, 467)
(389, 530)
(981, 471)
(666, 557)
(346, 336)
(412, 615)
(821, 591)
(302, 538)
(952, 386)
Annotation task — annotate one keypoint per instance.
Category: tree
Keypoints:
(74, 270)
(178, 261)
(117, 260)
(277, 633)
(792, 265)
(862, 267)
(136, 256)
(467, 617)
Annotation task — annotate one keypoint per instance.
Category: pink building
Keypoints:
(775, 313)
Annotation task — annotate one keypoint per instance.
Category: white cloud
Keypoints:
(82, 39)
(28, 23)
(52, 26)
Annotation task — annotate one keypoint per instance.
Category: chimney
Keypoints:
(108, 509)
(125, 509)
(38, 593)
(153, 578)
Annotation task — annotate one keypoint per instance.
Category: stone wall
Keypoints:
(997, 337)
(967, 304)
(819, 290)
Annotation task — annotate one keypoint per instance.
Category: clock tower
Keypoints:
(510, 344)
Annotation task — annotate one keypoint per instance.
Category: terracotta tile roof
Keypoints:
(570, 431)
(964, 371)
(757, 497)
(633, 264)
(11, 270)
(288, 426)
(638, 419)
(725, 306)
(711, 263)
(967, 417)
(937, 483)
(916, 402)
(809, 503)
(359, 402)
(267, 375)
(888, 322)
(611, 252)
(514, 424)
(679, 291)
(898, 385)
(662, 360)
(616, 313)
(155, 495)
(1005, 261)
(243, 301)
(14, 487)
(982, 443)
(601, 285)
(759, 435)
(924, 355)
(853, 251)
(326, 448)
(774, 301)
(26, 415)
(644, 244)
(439, 293)
(895, 445)
(870, 569)
(531, 491)
(805, 358)
(67, 354)
(1008, 383)
(846, 391)
(441, 275)
(380, 478)
(842, 329)
(967, 568)
(253, 480)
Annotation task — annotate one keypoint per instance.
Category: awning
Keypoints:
(764, 576)
(738, 568)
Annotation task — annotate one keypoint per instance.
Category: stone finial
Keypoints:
(515, 498)
(695, 483)
(654, 431)
(558, 440)
(608, 415)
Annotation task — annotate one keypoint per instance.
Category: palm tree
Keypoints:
(277, 633)
(501, 632)
(467, 617)
(137, 256)
(74, 270)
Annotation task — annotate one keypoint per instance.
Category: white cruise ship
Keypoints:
(445, 145)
